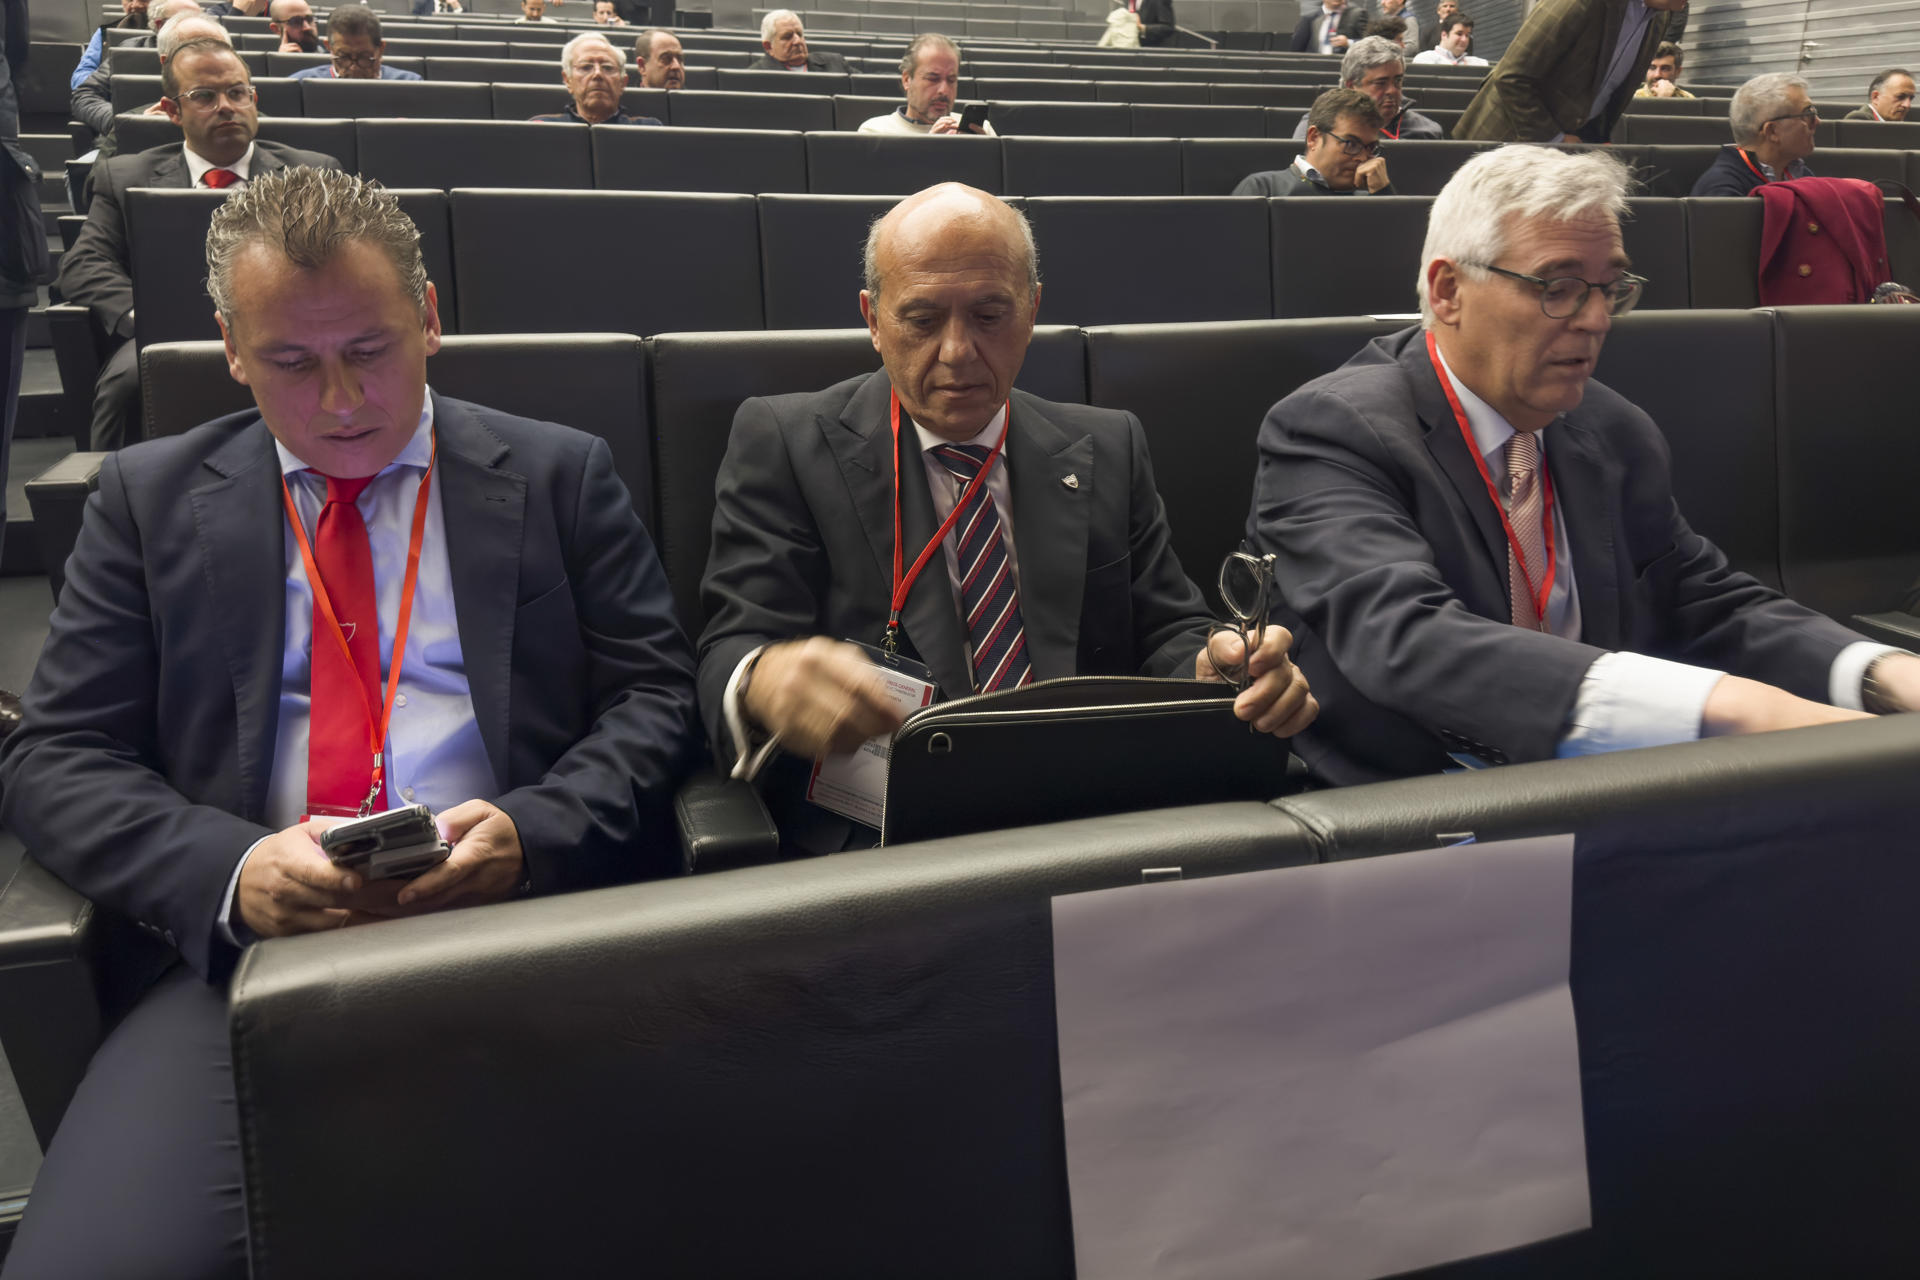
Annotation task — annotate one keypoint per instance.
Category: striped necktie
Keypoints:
(1526, 509)
(987, 597)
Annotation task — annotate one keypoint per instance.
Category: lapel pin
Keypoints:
(1070, 480)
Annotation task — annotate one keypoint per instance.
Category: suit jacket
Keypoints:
(23, 245)
(1393, 565)
(1353, 25)
(816, 61)
(95, 272)
(141, 773)
(803, 544)
(1543, 85)
(1156, 17)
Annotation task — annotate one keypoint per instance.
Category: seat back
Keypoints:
(471, 153)
(1059, 119)
(336, 138)
(1091, 166)
(880, 164)
(1152, 120)
(726, 160)
(698, 109)
(1124, 260)
(810, 257)
(1215, 166)
(1347, 257)
(731, 80)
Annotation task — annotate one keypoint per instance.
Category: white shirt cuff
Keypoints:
(230, 927)
(1630, 700)
(1849, 669)
(748, 759)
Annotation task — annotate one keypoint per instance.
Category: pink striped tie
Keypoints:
(1524, 510)
(987, 597)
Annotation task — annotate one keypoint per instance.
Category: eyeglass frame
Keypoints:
(1249, 624)
(1355, 147)
(1588, 286)
(212, 104)
(1810, 113)
(371, 58)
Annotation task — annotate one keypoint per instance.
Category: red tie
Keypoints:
(339, 762)
(219, 179)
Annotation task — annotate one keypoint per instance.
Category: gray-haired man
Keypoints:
(1377, 67)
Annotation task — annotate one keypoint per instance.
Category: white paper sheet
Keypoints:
(1341, 1071)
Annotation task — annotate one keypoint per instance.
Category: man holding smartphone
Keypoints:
(930, 77)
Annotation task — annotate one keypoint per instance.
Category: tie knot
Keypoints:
(964, 460)
(339, 490)
(1523, 456)
(219, 178)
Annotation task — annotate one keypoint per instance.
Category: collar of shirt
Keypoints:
(1307, 171)
(416, 453)
(198, 165)
(987, 435)
(1491, 431)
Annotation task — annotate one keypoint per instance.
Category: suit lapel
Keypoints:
(1050, 533)
(264, 161)
(484, 508)
(170, 170)
(1451, 451)
(1581, 485)
(242, 568)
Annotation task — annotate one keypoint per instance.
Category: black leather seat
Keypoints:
(1655, 236)
(594, 382)
(703, 274)
(1215, 166)
(1723, 251)
(732, 80)
(1672, 171)
(1123, 260)
(810, 258)
(1156, 121)
(1358, 256)
(1862, 162)
(850, 111)
(1677, 130)
(136, 93)
(1296, 98)
(1201, 392)
(1422, 168)
(1062, 119)
(1164, 91)
(1667, 106)
(689, 108)
(474, 153)
(492, 71)
(727, 160)
(336, 138)
(525, 101)
(1894, 135)
(878, 164)
(994, 89)
(1091, 166)
(167, 230)
(700, 380)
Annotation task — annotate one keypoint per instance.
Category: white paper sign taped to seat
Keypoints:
(1332, 1072)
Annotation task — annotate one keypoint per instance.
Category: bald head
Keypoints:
(945, 220)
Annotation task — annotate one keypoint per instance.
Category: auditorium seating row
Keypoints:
(850, 1065)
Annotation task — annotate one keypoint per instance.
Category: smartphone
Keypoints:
(396, 844)
(972, 116)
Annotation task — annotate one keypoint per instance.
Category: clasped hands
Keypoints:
(289, 886)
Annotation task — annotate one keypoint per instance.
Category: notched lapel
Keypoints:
(1050, 519)
(1455, 457)
(1581, 483)
(484, 507)
(241, 569)
(860, 441)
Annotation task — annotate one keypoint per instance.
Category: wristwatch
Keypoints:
(1874, 696)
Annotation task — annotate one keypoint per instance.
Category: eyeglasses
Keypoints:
(1811, 115)
(1246, 588)
(356, 59)
(588, 68)
(238, 95)
(1563, 296)
(1353, 146)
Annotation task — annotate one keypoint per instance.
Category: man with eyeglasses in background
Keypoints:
(1377, 67)
(358, 52)
(1477, 545)
(595, 78)
(1773, 123)
(294, 23)
(1342, 156)
(209, 94)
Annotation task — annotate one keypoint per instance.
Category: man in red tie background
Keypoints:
(209, 94)
(360, 595)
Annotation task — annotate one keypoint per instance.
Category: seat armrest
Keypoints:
(51, 1006)
(58, 499)
(1899, 629)
(723, 824)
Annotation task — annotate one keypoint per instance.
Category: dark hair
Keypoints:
(1457, 20)
(1668, 49)
(354, 20)
(1388, 28)
(1330, 107)
(910, 61)
(1880, 81)
(170, 78)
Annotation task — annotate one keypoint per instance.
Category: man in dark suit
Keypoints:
(210, 96)
(1156, 21)
(1569, 72)
(23, 261)
(785, 43)
(1478, 545)
(1342, 156)
(198, 708)
(1068, 563)
(1330, 28)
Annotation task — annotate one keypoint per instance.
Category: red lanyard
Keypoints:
(376, 732)
(1395, 135)
(1538, 595)
(902, 585)
(1748, 161)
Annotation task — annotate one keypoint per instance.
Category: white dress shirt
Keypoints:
(198, 166)
(1328, 27)
(434, 753)
(1627, 699)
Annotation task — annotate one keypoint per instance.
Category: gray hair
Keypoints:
(1879, 81)
(1760, 100)
(586, 37)
(187, 29)
(160, 10)
(1365, 55)
(910, 61)
(1471, 216)
(308, 215)
(774, 19)
(870, 256)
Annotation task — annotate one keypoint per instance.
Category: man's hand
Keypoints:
(288, 46)
(1340, 43)
(1747, 706)
(486, 864)
(1277, 700)
(819, 697)
(949, 123)
(1661, 88)
(288, 886)
(1373, 174)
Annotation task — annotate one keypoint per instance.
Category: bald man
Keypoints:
(1079, 579)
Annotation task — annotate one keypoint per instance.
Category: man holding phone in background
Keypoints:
(930, 77)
